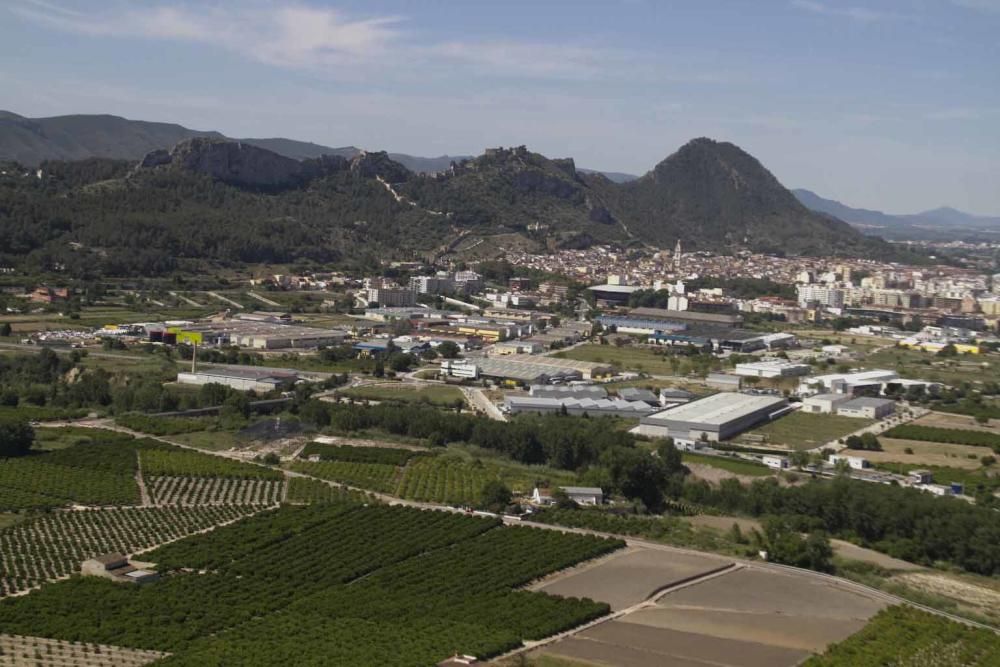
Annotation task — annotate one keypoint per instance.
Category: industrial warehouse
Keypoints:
(717, 417)
(525, 370)
(250, 333)
(592, 407)
(260, 380)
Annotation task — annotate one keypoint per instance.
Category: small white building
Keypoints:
(581, 495)
(855, 462)
(776, 462)
(836, 350)
(584, 495)
(867, 407)
(772, 368)
(824, 403)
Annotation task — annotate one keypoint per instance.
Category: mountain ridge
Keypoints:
(30, 141)
(938, 224)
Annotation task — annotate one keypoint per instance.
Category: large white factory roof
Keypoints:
(719, 409)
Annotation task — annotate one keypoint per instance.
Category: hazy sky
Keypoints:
(889, 105)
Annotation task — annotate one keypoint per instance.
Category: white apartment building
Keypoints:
(831, 297)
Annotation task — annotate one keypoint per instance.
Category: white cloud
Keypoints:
(288, 36)
(329, 44)
(859, 14)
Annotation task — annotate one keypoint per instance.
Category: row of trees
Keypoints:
(605, 455)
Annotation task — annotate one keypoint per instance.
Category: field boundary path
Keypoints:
(144, 497)
(263, 299)
(215, 295)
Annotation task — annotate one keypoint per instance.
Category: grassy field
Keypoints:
(48, 439)
(929, 453)
(625, 358)
(801, 430)
(926, 366)
(733, 465)
(212, 441)
(95, 316)
(407, 393)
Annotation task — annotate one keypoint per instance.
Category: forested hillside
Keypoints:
(212, 200)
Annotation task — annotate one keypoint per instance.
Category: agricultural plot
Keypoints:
(801, 430)
(387, 455)
(454, 479)
(372, 476)
(906, 636)
(305, 490)
(627, 578)
(748, 617)
(90, 472)
(183, 463)
(53, 545)
(370, 585)
(192, 491)
(17, 650)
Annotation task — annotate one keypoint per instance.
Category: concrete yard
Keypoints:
(629, 577)
(752, 616)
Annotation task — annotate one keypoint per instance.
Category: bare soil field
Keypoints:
(982, 598)
(926, 453)
(749, 617)
(629, 577)
(948, 420)
(631, 644)
(854, 552)
(361, 442)
(714, 475)
(761, 591)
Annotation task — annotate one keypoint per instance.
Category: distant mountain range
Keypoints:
(939, 223)
(31, 141)
(228, 202)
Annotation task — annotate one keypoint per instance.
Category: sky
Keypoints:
(887, 105)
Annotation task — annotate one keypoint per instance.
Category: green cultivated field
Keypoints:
(331, 584)
(405, 393)
(905, 636)
(801, 430)
(452, 477)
